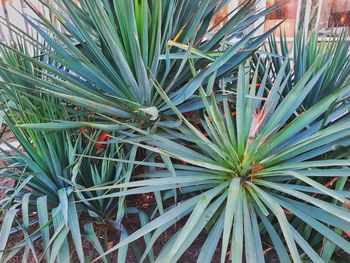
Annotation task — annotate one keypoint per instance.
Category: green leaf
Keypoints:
(6, 228)
(232, 202)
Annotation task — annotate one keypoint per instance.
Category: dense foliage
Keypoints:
(227, 134)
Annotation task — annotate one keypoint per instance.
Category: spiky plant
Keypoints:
(41, 205)
(306, 51)
(253, 174)
(254, 168)
(110, 52)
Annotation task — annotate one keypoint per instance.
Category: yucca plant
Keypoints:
(42, 198)
(39, 196)
(253, 174)
(143, 97)
(110, 52)
(306, 51)
(41, 204)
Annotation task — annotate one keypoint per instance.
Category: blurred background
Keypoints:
(329, 17)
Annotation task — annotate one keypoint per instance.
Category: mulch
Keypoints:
(132, 224)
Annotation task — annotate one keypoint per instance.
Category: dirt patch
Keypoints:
(132, 224)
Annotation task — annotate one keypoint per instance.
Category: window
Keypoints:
(287, 12)
(335, 16)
